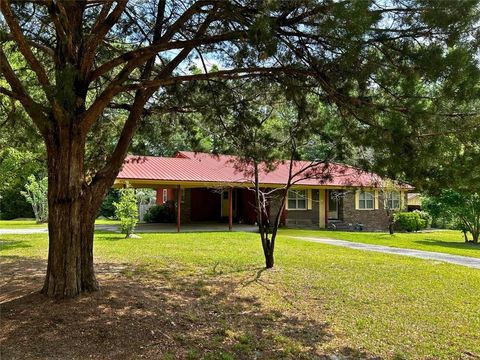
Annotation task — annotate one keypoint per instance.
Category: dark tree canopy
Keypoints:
(86, 72)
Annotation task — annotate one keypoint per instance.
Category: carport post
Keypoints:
(230, 208)
(179, 204)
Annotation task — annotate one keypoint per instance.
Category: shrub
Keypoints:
(14, 205)
(409, 221)
(425, 216)
(36, 193)
(164, 213)
(126, 211)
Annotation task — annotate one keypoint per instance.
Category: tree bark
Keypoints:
(391, 224)
(269, 260)
(72, 212)
(475, 235)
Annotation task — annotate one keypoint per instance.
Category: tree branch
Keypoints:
(46, 49)
(140, 55)
(102, 26)
(9, 93)
(116, 87)
(222, 74)
(33, 109)
(24, 47)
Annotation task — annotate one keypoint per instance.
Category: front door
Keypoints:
(332, 206)
(225, 203)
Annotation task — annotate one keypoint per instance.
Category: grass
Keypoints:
(448, 241)
(345, 300)
(20, 224)
(31, 224)
(106, 222)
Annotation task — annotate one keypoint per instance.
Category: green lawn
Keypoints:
(29, 224)
(347, 301)
(447, 241)
(20, 224)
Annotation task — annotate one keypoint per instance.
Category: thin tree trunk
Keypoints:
(391, 224)
(269, 260)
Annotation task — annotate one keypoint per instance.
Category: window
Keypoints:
(333, 202)
(165, 195)
(297, 199)
(393, 200)
(366, 200)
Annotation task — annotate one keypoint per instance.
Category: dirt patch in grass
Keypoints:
(154, 315)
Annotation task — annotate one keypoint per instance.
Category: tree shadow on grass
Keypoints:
(13, 244)
(119, 237)
(448, 244)
(159, 315)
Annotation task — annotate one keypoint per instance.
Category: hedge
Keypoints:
(410, 221)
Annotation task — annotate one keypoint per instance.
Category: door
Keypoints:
(225, 203)
(332, 206)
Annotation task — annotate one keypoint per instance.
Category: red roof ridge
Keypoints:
(187, 154)
(210, 167)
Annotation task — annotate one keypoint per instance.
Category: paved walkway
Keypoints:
(428, 255)
(24, 231)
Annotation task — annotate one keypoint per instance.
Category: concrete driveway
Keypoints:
(467, 261)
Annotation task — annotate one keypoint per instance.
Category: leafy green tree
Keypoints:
(267, 125)
(36, 194)
(396, 71)
(16, 165)
(107, 209)
(145, 196)
(126, 211)
(461, 207)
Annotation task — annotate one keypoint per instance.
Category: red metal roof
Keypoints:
(208, 168)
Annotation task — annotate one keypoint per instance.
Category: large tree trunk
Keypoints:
(72, 210)
(70, 255)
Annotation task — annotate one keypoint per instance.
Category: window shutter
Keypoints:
(376, 199)
(402, 200)
(309, 199)
(357, 199)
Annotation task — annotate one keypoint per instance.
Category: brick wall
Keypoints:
(371, 219)
(305, 218)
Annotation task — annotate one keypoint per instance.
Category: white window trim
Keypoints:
(165, 196)
(359, 200)
(296, 200)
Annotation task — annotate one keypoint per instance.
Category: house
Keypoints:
(213, 188)
(414, 202)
